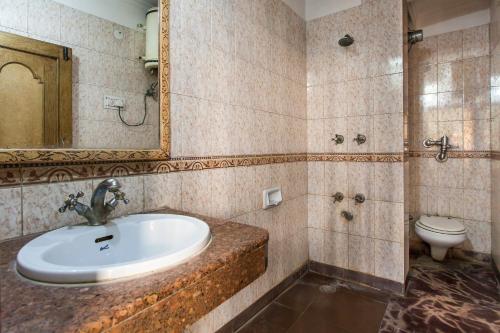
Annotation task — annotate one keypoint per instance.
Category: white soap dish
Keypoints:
(272, 197)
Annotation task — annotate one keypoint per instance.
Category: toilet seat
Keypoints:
(441, 225)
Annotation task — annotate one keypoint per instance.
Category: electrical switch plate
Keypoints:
(113, 102)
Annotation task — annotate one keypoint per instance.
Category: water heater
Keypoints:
(152, 38)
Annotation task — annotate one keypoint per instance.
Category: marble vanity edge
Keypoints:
(160, 287)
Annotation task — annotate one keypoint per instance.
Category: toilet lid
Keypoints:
(441, 224)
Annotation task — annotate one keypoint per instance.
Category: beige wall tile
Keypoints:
(362, 222)
(450, 46)
(336, 248)
(41, 204)
(361, 254)
(478, 236)
(425, 108)
(477, 104)
(450, 76)
(361, 179)
(388, 94)
(424, 79)
(477, 174)
(388, 132)
(336, 178)
(389, 182)
(162, 190)
(316, 177)
(315, 211)
(476, 73)
(336, 100)
(315, 137)
(476, 41)
(477, 135)
(14, 17)
(44, 19)
(477, 205)
(450, 106)
(10, 213)
(389, 221)
(224, 193)
(389, 257)
(197, 192)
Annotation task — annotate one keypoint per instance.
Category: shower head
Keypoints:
(415, 36)
(346, 41)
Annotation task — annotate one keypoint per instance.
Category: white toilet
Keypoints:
(441, 233)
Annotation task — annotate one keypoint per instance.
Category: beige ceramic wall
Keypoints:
(495, 130)
(350, 91)
(102, 65)
(450, 95)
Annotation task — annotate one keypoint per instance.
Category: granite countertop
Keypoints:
(31, 307)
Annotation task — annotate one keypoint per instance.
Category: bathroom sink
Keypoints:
(126, 246)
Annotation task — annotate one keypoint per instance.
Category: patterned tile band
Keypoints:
(35, 174)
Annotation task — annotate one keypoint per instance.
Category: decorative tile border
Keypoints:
(454, 154)
(495, 155)
(72, 171)
(362, 157)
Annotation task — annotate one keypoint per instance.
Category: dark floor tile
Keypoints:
(259, 325)
(299, 296)
(311, 324)
(278, 315)
(315, 278)
(347, 310)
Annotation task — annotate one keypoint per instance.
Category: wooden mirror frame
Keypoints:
(77, 156)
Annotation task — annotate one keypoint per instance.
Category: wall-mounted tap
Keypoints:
(359, 198)
(99, 210)
(338, 197)
(360, 139)
(442, 156)
(347, 215)
(339, 139)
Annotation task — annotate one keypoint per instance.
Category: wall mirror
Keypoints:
(82, 80)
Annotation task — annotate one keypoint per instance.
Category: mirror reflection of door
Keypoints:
(28, 100)
(35, 93)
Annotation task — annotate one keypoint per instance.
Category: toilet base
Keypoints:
(438, 253)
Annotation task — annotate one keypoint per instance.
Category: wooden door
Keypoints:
(28, 100)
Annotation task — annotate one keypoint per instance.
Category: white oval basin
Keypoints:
(127, 246)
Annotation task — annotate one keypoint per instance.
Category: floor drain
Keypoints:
(328, 288)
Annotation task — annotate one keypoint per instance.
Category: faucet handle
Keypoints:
(71, 201)
(120, 196)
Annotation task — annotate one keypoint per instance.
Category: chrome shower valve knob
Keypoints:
(338, 197)
(339, 139)
(360, 139)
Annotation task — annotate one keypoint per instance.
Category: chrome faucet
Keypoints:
(99, 210)
(444, 143)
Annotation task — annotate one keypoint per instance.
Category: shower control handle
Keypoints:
(338, 197)
(347, 215)
(339, 139)
(360, 139)
(359, 198)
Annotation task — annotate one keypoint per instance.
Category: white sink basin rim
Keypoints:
(132, 245)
